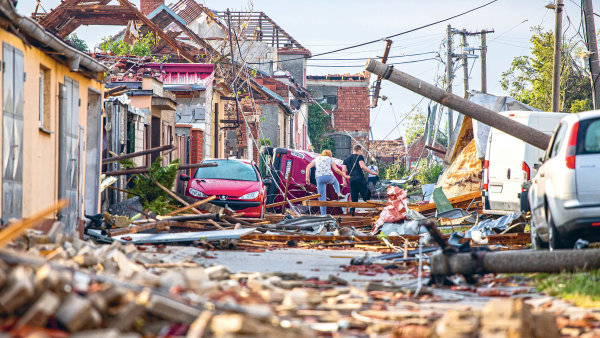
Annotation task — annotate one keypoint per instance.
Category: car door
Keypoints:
(587, 164)
(539, 182)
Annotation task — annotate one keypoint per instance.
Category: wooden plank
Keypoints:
(287, 185)
(177, 198)
(17, 228)
(137, 153)
(340, 204)
(453, 201)
(295, 200)
(188, 207)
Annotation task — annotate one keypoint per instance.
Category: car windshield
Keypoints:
(228, 170)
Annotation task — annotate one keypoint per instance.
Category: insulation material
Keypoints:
(464, 175)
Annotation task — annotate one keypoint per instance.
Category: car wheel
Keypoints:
(536, 242)
(554, 241)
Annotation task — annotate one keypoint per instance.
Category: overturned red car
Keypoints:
(236, 184)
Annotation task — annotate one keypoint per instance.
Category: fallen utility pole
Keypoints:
(520, 261)
(592, 46)
(138, 153)
(473, 110)
(146, 169)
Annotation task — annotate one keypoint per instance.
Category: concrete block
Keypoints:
(217, 272)
(41, 311)
(19, 290)
(171, 310)
(77, 313)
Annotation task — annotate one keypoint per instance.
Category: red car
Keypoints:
(236, 183)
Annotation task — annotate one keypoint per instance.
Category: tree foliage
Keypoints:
(140, 48)
(416, 123)
(393, 171)
(429, 174)
(151, 195)
(529, 78)
(319, 124)
(77, 42)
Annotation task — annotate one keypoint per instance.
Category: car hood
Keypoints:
(225, 187)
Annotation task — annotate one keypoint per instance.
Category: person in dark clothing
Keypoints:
(354, 165)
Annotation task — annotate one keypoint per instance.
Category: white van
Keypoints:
(509, 161)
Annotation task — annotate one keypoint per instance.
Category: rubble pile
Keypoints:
(59, 285)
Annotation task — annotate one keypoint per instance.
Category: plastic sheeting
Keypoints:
(493, 226)
(481, 130)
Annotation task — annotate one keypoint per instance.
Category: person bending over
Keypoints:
(324, 168)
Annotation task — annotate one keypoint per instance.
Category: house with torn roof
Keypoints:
(51, 123)
(348, 95)
(158, 106)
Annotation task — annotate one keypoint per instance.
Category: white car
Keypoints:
(565, 194)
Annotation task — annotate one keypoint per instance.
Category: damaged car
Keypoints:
(235, 183)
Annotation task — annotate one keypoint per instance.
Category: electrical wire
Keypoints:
(362, 65)
(397, 34)
(389, 57)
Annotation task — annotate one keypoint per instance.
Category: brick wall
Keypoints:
(147, 6)
(353, 112)
(197, 146)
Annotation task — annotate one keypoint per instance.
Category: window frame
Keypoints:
(44, 98)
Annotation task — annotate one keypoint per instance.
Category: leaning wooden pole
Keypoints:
(475, 111)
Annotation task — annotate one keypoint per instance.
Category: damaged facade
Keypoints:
(52, 96)
(349, 97)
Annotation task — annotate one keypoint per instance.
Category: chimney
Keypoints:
(148, 6)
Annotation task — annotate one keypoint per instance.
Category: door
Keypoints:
(13, 77)
(93, 149)
(68, 184)
(506, 155)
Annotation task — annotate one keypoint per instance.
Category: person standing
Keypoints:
(354, 164)
(324, 167)
(370, 177)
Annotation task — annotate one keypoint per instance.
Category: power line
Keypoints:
(362, 65)
(389, 57)
(394, 35)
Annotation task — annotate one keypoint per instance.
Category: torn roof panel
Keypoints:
(260, 27)
(363, 76)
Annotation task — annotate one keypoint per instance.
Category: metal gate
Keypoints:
(68, 184)
(13, 79)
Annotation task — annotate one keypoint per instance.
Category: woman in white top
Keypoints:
(324, 167)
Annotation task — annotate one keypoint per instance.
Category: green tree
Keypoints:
(529, 78)
(318, 125)
(77, 42)
(118, 47)
(416, 126)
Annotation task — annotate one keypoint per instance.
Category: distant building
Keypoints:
(349, 97)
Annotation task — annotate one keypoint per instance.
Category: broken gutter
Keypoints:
(32, 28)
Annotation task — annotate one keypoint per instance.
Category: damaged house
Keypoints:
(348, 96)
(52, 97)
